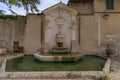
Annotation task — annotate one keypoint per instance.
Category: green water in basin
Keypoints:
(30, 63)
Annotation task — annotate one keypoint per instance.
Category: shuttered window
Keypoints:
(109, 4)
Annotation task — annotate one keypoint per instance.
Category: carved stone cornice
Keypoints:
(59, 6)
(80, 1)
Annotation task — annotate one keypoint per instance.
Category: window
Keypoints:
(109, 4)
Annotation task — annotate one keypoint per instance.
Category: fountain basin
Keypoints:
(30, 63)
(57, 58)
(31, 68)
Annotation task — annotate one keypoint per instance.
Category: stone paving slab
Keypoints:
(114, 76)
(115, 67)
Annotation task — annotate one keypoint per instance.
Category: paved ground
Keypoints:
(115, 69)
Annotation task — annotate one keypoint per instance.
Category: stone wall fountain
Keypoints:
(60, 48)
(60, 44)
(60, 39)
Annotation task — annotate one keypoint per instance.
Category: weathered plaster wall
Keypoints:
(111, 25)
(88, 34)
(96, 33)
(11, 30)
(83, 8)
(19, 30)
(32, 39)
(110, 29)
(100, 6)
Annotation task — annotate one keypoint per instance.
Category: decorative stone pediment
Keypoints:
(58, 35)
(59, 6)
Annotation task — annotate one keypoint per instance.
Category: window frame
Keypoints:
(110, 4)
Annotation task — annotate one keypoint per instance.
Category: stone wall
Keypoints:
(11, 30)
(32, 39)
(83, 8)
(88, 34)
(95, 30)
(110, 31)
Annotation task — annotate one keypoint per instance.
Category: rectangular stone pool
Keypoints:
(30, 63)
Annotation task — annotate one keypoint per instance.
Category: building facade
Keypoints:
(87, 27)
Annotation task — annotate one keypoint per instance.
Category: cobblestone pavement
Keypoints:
(115, 69)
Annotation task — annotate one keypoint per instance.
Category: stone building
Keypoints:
(84, 26)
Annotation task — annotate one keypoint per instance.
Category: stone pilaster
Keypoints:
(74, 46)
(74, 38)
(47, 35)
(47, 47)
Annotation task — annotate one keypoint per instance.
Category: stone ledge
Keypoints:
(2, 68)
(106, 68)
(57, 58)
(51, 75)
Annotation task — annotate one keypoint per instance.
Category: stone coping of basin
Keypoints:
(57, 58)
(52, 74)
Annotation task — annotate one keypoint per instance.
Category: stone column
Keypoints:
(99, 28)
(47, 35)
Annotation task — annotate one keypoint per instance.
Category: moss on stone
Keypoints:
(105, 78)
(11, 16)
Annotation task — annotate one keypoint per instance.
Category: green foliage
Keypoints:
(29, 5)
(105, 78)
(1, 12)
(10, 17)
(14, 2)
